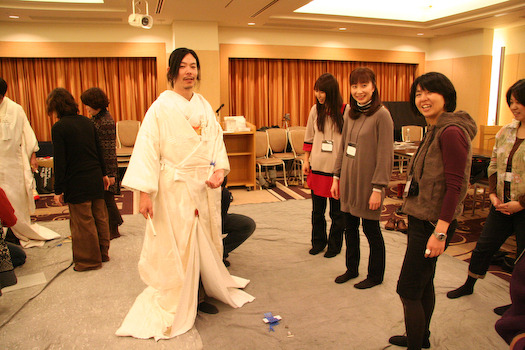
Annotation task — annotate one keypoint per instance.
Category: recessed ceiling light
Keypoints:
(342, 28)
(14, 17)
(251, 24)
(420, 33)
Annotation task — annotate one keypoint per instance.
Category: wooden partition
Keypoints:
(487, 136)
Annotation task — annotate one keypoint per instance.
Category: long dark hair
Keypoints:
(364, 75)
(332, 105)
(174, 63)
(434, 82)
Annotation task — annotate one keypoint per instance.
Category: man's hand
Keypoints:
(111, 181)
(33, 162)
(59, 199)
(216, 179)
(145, 205)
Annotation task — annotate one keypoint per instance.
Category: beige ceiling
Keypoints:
(272, 14)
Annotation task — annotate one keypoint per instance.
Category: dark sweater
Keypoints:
(78, 160)
(106, 132)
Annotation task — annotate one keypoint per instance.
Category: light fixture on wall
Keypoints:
(140, 20)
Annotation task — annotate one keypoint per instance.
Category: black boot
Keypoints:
(466, 289)
(402, 340)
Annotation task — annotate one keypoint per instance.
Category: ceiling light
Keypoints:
(71, 1)
(420, 33)
(251, 24)
(404, 10)
(342, 28)
(14, 17)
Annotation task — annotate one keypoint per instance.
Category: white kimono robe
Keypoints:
(183, 240)
(17, 143)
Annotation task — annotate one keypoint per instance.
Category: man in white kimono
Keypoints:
(178, 164)
(18, 145)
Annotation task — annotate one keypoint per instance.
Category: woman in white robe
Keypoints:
(18, 144)
(183, 241)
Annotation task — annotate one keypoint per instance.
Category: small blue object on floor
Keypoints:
(271, 320)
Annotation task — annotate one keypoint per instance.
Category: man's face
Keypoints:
(188, 72)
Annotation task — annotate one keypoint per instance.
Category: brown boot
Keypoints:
(401, 226)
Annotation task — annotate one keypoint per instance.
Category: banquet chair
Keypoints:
(296, 137)
(262, 157)
(127, 131)
(409, 133)
(278, 141)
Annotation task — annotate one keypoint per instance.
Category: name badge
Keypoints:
(508, 177)
(351, 149)
(407, 186)
(327, 146)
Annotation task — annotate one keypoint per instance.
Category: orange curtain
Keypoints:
(130, 83)
(264, 90)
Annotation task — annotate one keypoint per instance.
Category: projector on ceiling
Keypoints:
(138, 19)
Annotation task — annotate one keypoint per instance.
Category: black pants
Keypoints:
(114, 217)
(319, 237)
(497, 229)
(376, 260)
(238, 228)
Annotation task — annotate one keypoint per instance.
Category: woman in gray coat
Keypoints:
(362, 172)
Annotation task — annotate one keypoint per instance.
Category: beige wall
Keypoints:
(465, 58)
(513, 67)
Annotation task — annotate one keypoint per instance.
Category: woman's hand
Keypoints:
(145, 205)
(434, 245)
(494, 200)
(375, 200)
(334, 190)
(509, 207)
(216, 178)
(306, 167)
(106, 182)
(111, 181)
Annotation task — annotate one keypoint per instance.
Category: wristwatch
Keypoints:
(440, 236)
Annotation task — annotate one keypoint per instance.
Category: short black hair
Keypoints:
(3, 87)
(518, 91)
(62, 102)
(174, 63)
(95, 98)
(434, 82)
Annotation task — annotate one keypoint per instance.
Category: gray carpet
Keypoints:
(83, 310)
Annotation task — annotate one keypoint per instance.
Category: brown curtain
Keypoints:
(130, 83)
(264, 90)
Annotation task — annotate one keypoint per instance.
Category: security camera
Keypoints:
(140, 20)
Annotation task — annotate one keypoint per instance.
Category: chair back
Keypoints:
(278, 139)
(296, 127)
(261, 144)
(296, 137)
(411, 133)
(127, 131)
